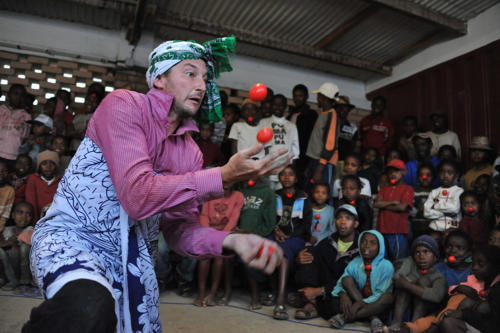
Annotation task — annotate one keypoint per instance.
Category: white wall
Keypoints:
(94, 43)
(482, 30)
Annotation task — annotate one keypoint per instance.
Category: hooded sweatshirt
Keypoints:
(381, 273)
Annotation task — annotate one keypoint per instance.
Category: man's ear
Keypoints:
(356, 224)
(158, 82)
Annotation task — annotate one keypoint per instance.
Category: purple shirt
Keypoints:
(154, 172)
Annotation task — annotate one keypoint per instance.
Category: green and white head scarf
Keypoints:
(216, 55)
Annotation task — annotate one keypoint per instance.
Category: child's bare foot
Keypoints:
(200, 302)
(210, 300)
(255, 305)
(224, 300)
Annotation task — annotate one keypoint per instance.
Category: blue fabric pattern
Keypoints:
(87, 235)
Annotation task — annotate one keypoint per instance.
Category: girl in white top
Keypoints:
(443, 204)
(352, 165)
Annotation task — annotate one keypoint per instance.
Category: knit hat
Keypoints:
(215, 53)
(47, 155)
(428, 242)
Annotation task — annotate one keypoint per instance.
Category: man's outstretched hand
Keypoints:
(242, 167)
(247, 247)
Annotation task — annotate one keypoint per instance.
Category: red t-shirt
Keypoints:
(376, 132)
(476, 228)
(39, 193)
(390, 222)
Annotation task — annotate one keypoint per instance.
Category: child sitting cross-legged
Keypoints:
(418, 282)
(220, 214)
(364, 291)
(319, 267)
(457, 250)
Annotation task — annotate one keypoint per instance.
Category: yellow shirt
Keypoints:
(343, 247)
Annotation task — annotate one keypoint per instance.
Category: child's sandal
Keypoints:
(337, 321)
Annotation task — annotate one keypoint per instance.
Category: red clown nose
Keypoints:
(424, 177)
(445, 192)
(289, 195)
(258, 92)
(251, 183)
(470, 209)
(352, 202)
(452, 259)
(424, 271)
(368, 268)
(392, 181)
(250, 119)
(265, 135)
(317, 216)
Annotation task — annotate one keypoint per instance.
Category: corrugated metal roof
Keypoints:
(461, 9)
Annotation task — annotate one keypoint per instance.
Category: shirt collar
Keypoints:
(161, 104)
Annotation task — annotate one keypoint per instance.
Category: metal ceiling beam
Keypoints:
(410, 8)
(346, 26)
(135, 28)
(201, 26)
(421, 44)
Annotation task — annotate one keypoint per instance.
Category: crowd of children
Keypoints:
(372, 228)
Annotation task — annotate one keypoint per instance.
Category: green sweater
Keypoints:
(258, 214)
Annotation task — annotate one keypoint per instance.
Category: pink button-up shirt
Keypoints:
(154, 172)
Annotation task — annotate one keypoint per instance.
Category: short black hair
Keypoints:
(461, 234)
(355, 156)
(469, 193)
(354, 178)
(282, 97)
(301, 87)
(319, 184)
(449, 148)
(24, 203)
(289, 166)
(427, 165)
(454, 164)
(492, 255)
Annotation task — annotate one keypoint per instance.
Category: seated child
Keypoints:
(220, 214)
(443, 204)
(322, 224)
(258, 216)
(420, 224)
(7, 194)
(364, 290)
(42, 186)
(473, 304)
(494, 236)
(352, 165)
(19, 177)
(472, 223)
(351, 187)
(457, 249)
(212, 155)
(395, 202)
(418, 282)
(60, 146)
(319, 267)
(293, 230)
(14, 253)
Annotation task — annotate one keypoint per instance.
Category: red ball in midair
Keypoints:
(317, 216)
(452, 259)
(445, 192)
(258, 93)
(265, 135)
(251, 182)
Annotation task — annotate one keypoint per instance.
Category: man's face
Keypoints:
(422, 148)
(346, 223)
(378, 106)
(368, 247)
(278, 107)
(438, 122)
(409, 126)
(186, 82)
(299, 97)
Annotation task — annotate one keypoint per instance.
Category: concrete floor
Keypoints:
(178, 315)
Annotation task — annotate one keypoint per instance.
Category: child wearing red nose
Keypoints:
(472, 223)
(418, 282)
(243, 134)
(443, 204)
(395, 202)
(323, 224)
(425, 177)
(351, 189)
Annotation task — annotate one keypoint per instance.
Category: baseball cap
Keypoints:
(397, 164)
(329, 89)
(348, 208)
(42, 119)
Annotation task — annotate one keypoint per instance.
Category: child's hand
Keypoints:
(400, 282)
(356, 307)
(304, 257)
(313, 240)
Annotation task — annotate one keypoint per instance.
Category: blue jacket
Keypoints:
(380, 277)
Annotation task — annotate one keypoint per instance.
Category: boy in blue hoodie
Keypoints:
(364, 290)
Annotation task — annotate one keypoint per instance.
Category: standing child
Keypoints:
(320, 267)
(420, 224)
(480, 155)
(418, 282)
(443, 204)
(457, 250)
(42, 186)
(7, 195)
(351, 189)
(14, 253)
(352, 165)
(291, 233)
(212, 155)
(371, 167)
(391, 154)
(220, 214)
(395, 202)
(472, 223)
(364, 290)
(322, 224)
(19, 177)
